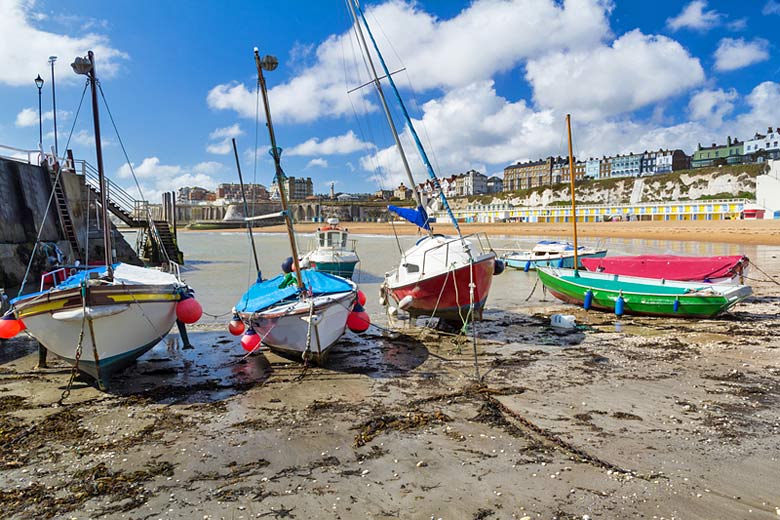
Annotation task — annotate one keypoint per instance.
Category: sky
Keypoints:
(487, 83)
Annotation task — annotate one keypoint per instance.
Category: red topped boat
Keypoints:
(713, 269)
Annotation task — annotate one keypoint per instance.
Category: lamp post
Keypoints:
(39, 84)
(52, 59)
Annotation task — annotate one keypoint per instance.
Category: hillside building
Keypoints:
(730, 153)
(769, 143)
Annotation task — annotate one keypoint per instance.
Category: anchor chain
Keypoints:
(79, 346)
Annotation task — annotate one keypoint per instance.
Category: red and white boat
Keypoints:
(444, 277)
(712, 269)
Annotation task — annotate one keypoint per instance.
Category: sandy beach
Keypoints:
(636, 418)
(753, 232)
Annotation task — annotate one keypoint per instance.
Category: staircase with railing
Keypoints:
(155, 241)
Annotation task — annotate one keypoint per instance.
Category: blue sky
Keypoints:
(487, 82)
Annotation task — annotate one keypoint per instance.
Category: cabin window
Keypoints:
(322, 239)
(333, 239)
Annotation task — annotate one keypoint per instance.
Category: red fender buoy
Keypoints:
(358, 320)
(188, 310)
(250, 340)
(10, 327)
(361, 296)
(236, 326)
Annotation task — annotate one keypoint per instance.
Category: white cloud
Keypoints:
(26, 50)
(319, 162)
(771, 7)
(84, 138)
(156, 178)
(439, 53)
(467, 126)
(695, 16)
(338, 145)
(636, 70)
(223, 137)
(712, 105)
(29, 116)
(736, 53)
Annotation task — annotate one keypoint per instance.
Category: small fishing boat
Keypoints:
(711, 269)
(442, 277)
(102, 323)
(550, 253)
(101, 319)
(333, 251)
(301, 313)
(297, 322)
(641, 296)
(631, 294)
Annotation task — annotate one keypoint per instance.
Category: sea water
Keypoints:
(220, 265)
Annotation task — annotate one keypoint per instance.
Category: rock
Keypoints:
(422, 464)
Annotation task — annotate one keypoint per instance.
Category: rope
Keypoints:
(150, 220)
(769, 277)
(79, 346)
(76, 117)
(532, 290)
(51, 197)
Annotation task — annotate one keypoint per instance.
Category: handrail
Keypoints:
(29, 153)
(116, 195)
(478, 236)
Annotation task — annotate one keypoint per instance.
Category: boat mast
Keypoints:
(270, 63)
(246, 208)
(87, 67)
(378, 85)
(573, 199)
(417, 141)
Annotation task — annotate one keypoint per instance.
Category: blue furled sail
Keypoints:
(268, 293)
(417, 216)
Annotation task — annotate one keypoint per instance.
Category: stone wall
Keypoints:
(24, 194)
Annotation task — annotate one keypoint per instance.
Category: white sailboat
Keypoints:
(103, 318)
(440, 276)
(300, 314)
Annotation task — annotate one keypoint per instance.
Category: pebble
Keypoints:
(422, 464)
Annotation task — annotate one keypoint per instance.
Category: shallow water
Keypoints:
(220, 267)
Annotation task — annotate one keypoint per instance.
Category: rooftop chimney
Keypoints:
(728, 140)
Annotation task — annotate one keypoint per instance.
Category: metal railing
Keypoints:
(114, 193)
(481, 238)
(17, 154)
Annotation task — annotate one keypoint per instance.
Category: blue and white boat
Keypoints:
(550, 253)
(301, 313)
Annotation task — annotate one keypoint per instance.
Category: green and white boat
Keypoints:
(332, 252)
(641, 296)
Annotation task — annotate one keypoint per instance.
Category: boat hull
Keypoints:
(127, 321)
(345, 269)
(526, 263)
(446, 295)
(284, 328)
(642, 297)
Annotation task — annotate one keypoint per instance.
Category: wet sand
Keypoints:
(649, 418)
(754, 232)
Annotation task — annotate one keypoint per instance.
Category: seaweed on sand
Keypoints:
(372, 428)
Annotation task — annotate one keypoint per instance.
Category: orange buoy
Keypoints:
(10, 327)
(250, 340)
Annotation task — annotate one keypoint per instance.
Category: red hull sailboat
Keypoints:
(712, 269)
(426, 285)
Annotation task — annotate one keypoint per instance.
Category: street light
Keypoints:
(39, 84)
(52, 59)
